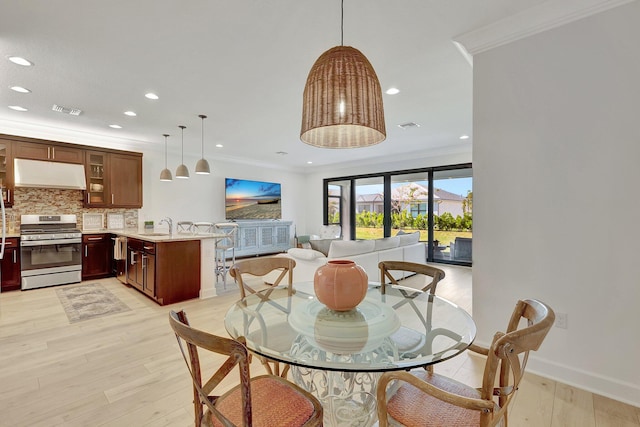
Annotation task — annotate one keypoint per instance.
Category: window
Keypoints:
(437, 202)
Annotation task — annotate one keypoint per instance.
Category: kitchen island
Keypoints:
(167, 268)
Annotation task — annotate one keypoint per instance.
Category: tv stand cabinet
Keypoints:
(263, 237)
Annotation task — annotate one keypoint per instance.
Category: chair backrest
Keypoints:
(508, 354)
(386, 276)
(260, 267)
(237, 355)
(230, 229)
(462, 248)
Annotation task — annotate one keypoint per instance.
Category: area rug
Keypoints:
(86, 302)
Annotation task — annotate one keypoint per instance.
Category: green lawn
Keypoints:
(443, 237)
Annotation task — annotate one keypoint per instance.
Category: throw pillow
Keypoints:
(321, 245)
(387, 243)
(344, 248)
(409, 239)
(305, 253)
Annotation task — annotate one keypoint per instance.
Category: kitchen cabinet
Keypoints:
(141, 272)
(125, 180)
(96, 256)
(168, 272)
(49, 152)
(6, 171)
(10, 265)
(113, 179)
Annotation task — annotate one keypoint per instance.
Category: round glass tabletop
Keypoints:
(399, 329)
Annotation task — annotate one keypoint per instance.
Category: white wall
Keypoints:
(201, 197)
(556, 140)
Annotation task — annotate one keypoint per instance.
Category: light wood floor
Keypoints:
(126, 369)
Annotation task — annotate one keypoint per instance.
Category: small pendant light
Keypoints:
(202, 167)
(165, 175)
(182, 171)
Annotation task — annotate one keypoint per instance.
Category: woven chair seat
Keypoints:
(413, 407)
(291, 408)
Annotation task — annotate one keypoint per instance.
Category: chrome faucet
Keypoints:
(169, 222)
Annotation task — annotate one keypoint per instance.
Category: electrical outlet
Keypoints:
(562, 320)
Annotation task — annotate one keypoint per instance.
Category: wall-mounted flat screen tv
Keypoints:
(245, 199)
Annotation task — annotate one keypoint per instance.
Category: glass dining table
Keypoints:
(338, 356)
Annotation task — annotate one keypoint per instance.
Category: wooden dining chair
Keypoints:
(422, 398)
(387, 268)
(265, 400)
(409, 340)
(258, 267)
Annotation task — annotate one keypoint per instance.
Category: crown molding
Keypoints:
(543, 17)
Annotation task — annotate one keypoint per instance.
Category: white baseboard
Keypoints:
(589, 381)
(621, 391)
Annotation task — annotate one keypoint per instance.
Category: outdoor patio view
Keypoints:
(452, 206)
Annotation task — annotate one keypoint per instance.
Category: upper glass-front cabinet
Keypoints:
(96, 182)
(6, 172)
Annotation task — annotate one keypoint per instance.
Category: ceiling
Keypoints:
(243, 64)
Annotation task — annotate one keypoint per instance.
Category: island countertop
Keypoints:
(156, 236)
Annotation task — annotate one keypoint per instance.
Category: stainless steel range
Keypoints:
(51, 250)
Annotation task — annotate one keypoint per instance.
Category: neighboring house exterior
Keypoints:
(413, 196)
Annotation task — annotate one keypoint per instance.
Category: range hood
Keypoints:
(40, 174)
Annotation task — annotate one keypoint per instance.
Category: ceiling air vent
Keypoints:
(66, 110)
(408, 125)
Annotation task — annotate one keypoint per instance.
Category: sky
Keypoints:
(460, 186)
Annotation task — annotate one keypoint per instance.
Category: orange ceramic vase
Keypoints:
(340, 284)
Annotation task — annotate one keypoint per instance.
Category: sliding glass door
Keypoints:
(435, 202)
(452, 215)
(369, 208)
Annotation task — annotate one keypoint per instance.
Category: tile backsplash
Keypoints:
(49, 201)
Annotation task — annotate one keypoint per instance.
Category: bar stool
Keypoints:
(225, 249)
(203, 227)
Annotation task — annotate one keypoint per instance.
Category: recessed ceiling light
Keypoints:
(115, 126)
(219, 145)
(464, 137)
(151, 95)
(309, 162)
(17, 108)
(20, 61)
(130, 113)
(392, 91)
(20, 89)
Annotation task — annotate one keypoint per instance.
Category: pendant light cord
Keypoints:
(182, 145)
(202, 116)
(165, 150)
(342, 23)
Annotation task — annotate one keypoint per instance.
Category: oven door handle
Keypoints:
(31, 243)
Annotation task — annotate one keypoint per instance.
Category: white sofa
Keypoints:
(366, 253)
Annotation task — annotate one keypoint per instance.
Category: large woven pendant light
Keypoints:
(182, 171)
(342, 100)
(165, 175)
(202, 166)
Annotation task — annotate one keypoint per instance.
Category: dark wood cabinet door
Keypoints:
(150, 275)
(96, 168)
(6, 171)
(125, 180)
(96, 261)
(49, 152)
(10, 266)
